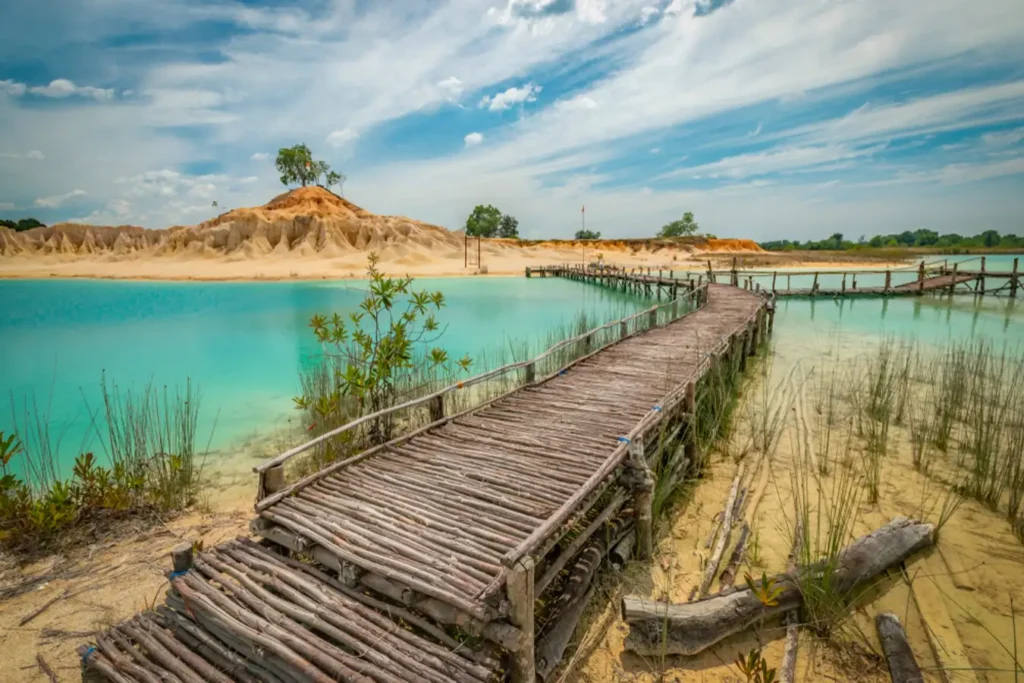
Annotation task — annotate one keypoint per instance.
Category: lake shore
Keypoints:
(352, 267)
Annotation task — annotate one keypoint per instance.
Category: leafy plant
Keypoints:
(296, 165)
(684, 226)
(766, 591)
(484, 221)
(381, 351)
(754, 667)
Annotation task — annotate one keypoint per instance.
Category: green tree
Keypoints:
(296, 165)
(587, 235)
(384, 350)
(483, 222)
(22, 224)
(684, 226)
(508, 227)
(989, 238)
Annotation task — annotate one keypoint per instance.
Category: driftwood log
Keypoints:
(568, 607)
(898, 655)
(690, 628)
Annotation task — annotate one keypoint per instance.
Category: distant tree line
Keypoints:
(990, 239)
(489, 221)
(587, 235)
(22, 225)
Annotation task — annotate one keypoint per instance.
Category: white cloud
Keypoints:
(12, 88)
(452, 86)
(62, 87)
(774, 160)
(34, 155)
(591, 11)
(511, 97)
(648, 13)
(1003, 138)
(577, 103)
(656, 150)
(6, 206)
(54, 201)
(340, 138)
(260, 156)
(474, 139)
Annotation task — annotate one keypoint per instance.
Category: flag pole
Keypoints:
(583, 218)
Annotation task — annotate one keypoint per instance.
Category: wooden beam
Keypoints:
(522, 601)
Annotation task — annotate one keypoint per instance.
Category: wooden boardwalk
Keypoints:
(458, 528)
(937, 278)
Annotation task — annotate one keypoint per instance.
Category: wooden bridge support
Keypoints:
(1014, 277)
(522, 601)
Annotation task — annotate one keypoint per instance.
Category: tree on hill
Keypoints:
(484, 221)
(508, 226)
(587, 235)
(296, 165)
(684, 226)
(22, 225)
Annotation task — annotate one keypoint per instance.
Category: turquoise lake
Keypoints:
(243, 344)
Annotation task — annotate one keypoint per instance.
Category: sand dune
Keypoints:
(310, 233)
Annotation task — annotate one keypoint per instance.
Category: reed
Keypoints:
(153, 462)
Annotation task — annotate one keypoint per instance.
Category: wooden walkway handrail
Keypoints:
(616, 458)
(698, 294)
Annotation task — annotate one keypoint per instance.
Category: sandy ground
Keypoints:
(497, 259)
(93, 587)
(953, 600)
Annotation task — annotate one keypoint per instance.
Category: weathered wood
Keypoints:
(728, 515)
(578, 542)
(181, 558)
(658, 627)
(522, 600)
(898, 655)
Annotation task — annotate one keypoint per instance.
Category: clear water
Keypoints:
(803, 278)
(243, 344)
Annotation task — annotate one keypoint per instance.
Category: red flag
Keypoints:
(584, 209)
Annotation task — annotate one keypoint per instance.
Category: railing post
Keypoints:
(844, 285)
(920, 278)
(643, 494)
(690, 448)
(652, 318)
(1013, 279)
(623, 329)
(814, 287)
(586, 344)
(527, 271)
(742, 349)
(888, 280)
(182, 557)
(531, 373)
(675, 305)
(437, 408)
(952, 281)
(521, 600)
(771, 316)
(775, 274)
(271, 480)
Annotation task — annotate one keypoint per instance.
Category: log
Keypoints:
(690, 628)
(898, 655)
(723, 537)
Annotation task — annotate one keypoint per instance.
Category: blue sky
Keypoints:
(767, 118)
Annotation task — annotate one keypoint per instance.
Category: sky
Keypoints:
(766, 118)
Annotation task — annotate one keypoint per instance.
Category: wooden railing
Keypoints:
(642, 321)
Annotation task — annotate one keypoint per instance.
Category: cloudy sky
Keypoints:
(767, 118)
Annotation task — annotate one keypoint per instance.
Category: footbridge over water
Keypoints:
(463, 550)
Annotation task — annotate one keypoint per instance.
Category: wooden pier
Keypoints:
(464, 549)
(936, 278)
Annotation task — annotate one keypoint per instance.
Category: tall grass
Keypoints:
(153, 464)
